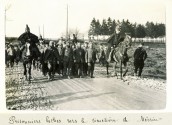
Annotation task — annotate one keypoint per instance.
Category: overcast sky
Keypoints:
(52, 14)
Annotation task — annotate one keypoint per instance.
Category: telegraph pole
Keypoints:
(43, 31)
(5, 24)
(5, 17)
(39, 30)
(67, 24)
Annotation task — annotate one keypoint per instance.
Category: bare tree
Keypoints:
(7, 7)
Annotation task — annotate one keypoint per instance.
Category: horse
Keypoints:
(29, 51)
(117, 52)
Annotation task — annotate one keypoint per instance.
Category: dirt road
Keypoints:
(99, 93)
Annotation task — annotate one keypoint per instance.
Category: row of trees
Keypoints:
(107, 27)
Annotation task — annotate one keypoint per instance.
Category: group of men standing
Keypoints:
(12, 55)
(69, 60)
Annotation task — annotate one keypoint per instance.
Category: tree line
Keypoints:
(107, 27)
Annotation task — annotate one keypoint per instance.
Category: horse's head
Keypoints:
(124, 45)
(28, 48)
(127, 40)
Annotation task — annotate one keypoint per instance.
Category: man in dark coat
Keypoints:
(85, 69)
(41, 47)
(140, 56)
(101, 56)
(73, 70)
(61, 55)
(74, 41)
(51, 57)
(17, 54)
(11, 55)
(90, 58)
(67, 61)
(79, 59)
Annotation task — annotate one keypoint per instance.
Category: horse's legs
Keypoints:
(92, 69)
(25, 70)
(107, 67)
(114, 69)
(29, 70)
(34, 63)
(49, 70)
(121, 69)
(53, 70)
(126, 69)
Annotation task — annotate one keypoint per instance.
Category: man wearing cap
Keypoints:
(51, 57)
(79, 59)
(17, 54)
(85, 69)
(140, 56)
(74, 41)
(67, 61)
(120, 36)
(41, 47)
(90, 58)
(101, 56)
(11, 54)
(61, 55)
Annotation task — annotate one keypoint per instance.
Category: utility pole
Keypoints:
(5, 19)
(5, 23)
(67, 25)
(43, 31)
(39, 30)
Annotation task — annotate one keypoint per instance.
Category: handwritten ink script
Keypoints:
(81, 120)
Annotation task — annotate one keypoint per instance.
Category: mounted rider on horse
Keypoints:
(118, 45)
(28, 49)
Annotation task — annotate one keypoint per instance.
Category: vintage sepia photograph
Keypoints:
(85, 55)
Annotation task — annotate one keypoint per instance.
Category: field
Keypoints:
(155, 64)
(101, 93)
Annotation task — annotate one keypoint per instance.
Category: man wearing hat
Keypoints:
(85, 68)
(140, 56)
(90, 58)
(67, 60)
(101, 56)
(79, 59)
(41, 46)
(61, 54)
(51, 57)
(17, 54)
(11, 54)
